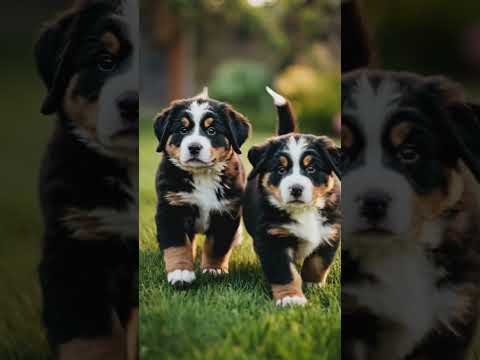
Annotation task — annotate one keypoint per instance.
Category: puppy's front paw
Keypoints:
(181, 278)
(214, 272)
(314, 285)
(292, 300)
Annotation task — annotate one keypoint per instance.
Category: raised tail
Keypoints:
(287, 122)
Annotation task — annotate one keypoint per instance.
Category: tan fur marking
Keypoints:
(347, 137)
(208, 122)
(293, 288)
(272, 190)
(320, 191)
(174, 199)
(314, 270)
(171, 149)
(110, 347)
(179, 258)
(111, 43)
(80, 110)
(185, 122)
(83, 225)
(211, 262)
(283, 161)
(279, 231)
(221, 154)
(307, 160)
(132, 335)
(434, 204)
(400, 132)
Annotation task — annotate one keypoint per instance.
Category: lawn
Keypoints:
(228, 318)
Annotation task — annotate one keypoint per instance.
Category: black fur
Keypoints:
(178, 223)
(260, 215)
(442, 134)
(84, 281)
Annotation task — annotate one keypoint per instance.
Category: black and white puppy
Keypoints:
(291, 206)
(411, 206)
(199, 184)
(88, 59)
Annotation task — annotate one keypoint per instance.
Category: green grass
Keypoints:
(229, 318)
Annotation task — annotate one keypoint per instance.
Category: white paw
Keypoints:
(314, 285)
(292, 300)
(214, 272)
(181, 277)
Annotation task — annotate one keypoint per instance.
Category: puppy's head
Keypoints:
(200, 133)
(295, 171)
(88, 59)
(404, 138)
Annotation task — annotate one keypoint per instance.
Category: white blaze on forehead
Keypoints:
(371, 107)
(198, 110)
(296, 148)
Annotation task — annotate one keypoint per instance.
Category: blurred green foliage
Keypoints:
(304, 35)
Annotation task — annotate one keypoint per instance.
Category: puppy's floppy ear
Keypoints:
(162, 124)
(238, 127)
(464, 125)
(52, 54)
(332, 153)
(257, 155)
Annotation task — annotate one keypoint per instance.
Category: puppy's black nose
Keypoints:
(128, 105)
(296, 191)
(374, 206)
(195, 149)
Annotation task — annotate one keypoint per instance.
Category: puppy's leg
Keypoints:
(282, 275)
(132, 335)
(111, 347)
(221, 235)
(177, 243)
(317, 266)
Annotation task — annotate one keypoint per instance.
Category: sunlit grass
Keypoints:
(229, 318)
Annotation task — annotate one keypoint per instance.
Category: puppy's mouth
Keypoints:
(195, 162)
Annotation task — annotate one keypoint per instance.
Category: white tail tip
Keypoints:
(278, 99)
(204, 93)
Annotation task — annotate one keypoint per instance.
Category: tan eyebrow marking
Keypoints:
(185, 122)
(111, 42)
(400, 132)
(208, 122)
(283, 161)
(307, 160)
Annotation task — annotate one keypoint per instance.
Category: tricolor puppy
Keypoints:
(88, 59)
(199, 183)
(411, 230)
(291, 207)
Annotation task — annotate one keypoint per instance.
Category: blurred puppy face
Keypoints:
(295, 170)
(400, 161)
(95, 86)
(200, 133)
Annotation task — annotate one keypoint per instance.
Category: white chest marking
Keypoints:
(310, 230)
(406, 295)
(206, 186)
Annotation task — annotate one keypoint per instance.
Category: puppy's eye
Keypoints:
(106, 63)
(281, 170)
(311, 170)
(408, 155)
(211, 131)
(183, 130)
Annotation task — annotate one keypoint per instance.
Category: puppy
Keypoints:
(199, 184)
(291, 207)
(88, 59)
(410, 253)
